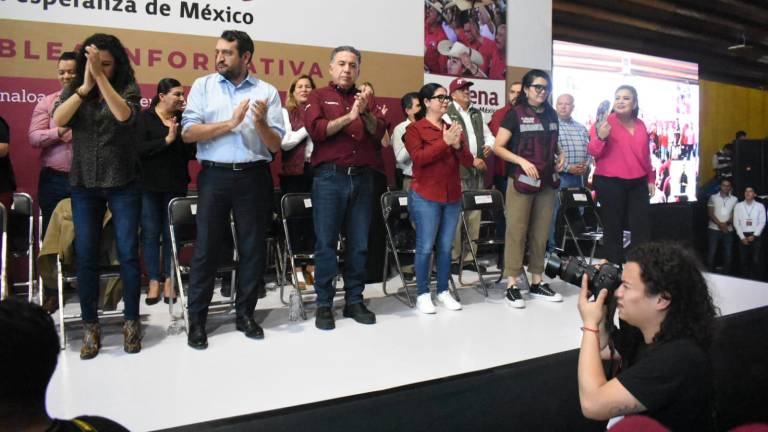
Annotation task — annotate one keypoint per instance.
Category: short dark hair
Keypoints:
(670, 270)
(29, 350)
(244, 42)
(347, 48)
(426, 92)
(740, 134)
(67, 55)
(726, 180)
(406, 102)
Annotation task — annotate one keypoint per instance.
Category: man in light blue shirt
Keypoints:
(237, 122)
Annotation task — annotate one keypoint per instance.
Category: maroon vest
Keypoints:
(535, 140)
(293, 159)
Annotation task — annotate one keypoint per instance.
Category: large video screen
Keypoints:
(668, 96)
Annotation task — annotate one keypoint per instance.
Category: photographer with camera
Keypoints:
(660, 350)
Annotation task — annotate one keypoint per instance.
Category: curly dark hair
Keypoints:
(673, 272)
(123, 75)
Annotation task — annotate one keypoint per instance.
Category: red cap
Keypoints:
(459, 83)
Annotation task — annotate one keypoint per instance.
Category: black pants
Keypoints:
(749, 258)
(248, 195)
(622, 199)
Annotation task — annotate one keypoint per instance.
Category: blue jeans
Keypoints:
(341, 200)
(248, 195)
(434, 221)
(715, 238)
(52, 187)
(88, 207)
(154, 223)
(566, 180)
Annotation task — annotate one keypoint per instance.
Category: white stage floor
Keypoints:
(169, 384)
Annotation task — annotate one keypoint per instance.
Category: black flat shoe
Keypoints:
(151, 300)
(248, 326)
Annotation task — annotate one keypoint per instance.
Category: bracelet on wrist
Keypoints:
(595, 331)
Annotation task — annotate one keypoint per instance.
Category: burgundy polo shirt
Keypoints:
(351, 146)
(435, 164)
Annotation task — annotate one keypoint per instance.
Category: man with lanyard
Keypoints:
(55, 144)
(573, 139)
(480, 140)
(720, 211)
(236, 120)
(346, 135)
(749, 221)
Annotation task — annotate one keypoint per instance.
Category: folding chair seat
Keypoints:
(182, 213)
(490, 204)
(400, 244)
(20, 230)
(581, 219)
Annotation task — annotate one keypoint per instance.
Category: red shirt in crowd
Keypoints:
(485, 46)
(435, 163)
(351, 146)
(436, 62)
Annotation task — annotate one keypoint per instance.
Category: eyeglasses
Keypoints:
(538, 88)
(442, 98)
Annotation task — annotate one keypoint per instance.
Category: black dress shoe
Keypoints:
(196, 338)
(324, 318)
(248, 326)
(149, 301)
(359, 313)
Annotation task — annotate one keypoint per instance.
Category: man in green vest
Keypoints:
(480, 141)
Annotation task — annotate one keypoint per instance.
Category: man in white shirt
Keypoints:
(720, 210)
(410, 105)
(480, 140)
(749, 221)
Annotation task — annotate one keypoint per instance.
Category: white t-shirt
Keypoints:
(723, 209)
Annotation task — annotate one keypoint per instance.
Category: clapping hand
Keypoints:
(452, 135)
(173, 131)
(259, 111)
(239, 114)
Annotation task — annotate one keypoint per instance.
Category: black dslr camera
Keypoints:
(571, 269)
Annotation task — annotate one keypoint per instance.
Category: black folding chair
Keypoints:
(400, 244)
(490, 204)
(183, 229)
(582, 220)
(20, 244)
(4, 291)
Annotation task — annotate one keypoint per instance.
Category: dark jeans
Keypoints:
(154, 223)
(435, 224)
(340, 199)
(247, 194)
(619, 199)
(88, 207)
(566, 180)
(749, 256)
(52, 187)
(715, 238)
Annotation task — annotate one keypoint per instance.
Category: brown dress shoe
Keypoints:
(91, 341)
(131, 336)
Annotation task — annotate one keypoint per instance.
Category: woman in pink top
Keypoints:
(624, 178)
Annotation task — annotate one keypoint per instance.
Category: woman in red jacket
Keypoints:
(435, 196)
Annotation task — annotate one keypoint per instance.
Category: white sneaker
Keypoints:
(424, 303)
(513, 298)
(447, 301)
(544, 292)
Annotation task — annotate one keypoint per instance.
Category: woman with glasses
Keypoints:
(527, 141)
(164, 160)
(624, 177)
(434, 199)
